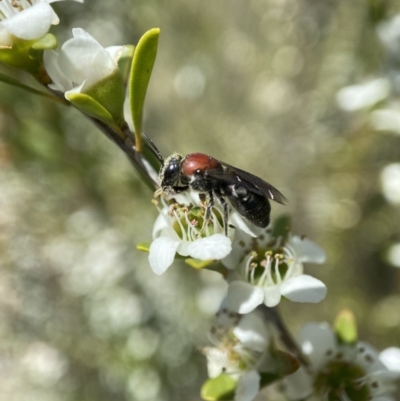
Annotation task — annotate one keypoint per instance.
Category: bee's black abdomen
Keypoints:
(254, 207)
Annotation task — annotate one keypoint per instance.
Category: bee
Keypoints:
(215, 179)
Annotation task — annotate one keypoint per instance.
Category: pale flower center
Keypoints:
(190, 224)
(238, 357)
(344, 379)
(272, 268)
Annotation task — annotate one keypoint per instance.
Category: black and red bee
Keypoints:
(247, 193)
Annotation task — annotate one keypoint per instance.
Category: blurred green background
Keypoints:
(253, 83)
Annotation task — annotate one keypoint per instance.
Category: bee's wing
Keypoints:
(250, 181)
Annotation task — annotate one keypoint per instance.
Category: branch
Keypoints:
(126, 144)
(272, 315)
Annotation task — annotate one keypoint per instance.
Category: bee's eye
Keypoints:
(171, 174)
(171, 169)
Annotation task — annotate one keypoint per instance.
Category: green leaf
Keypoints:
(47, 42)
(346, 327)
(281, 227)
(20, 56)
(142, 66)
(143, 246)
(91, 107)
(109, 92)
(198, 264)
(219, 388)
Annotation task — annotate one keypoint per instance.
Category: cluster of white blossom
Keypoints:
(260, 269)
(240, 351)
(26, 20)
(342, 371)
(244, 358)
(85, 72)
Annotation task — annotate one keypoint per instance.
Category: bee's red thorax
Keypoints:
(198, 161)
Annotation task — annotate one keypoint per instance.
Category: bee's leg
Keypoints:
(203, 197)
(224, 204)
(208, 207)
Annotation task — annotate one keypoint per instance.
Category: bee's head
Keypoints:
(170, 172)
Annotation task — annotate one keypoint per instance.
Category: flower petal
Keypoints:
(115, 52)
(304, 288)
(272, 295)
(183, 247)
(185, 198)
(248, 386)
(216, 246)
(244, 297)
(241, 246)
(318, 342)
(31, 23)
(75, 90)
(368, 357)
(382, 382)
(217, 361)
(163, 221)
(307, 250)
(78, 54)
(103, 66)
(390, 357)
(298, 385)
(162, 253)
(252, 332)
(60, 81)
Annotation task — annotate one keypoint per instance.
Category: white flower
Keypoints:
(390, 182)
(350, 372)
(272, 269)
(238, 352)
(357, 97)
(81, 63)
(27, 20)
(387, 119)
(248, 386)
(390, 357)
(180, 229)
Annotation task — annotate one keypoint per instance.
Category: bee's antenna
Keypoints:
(153, 148)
